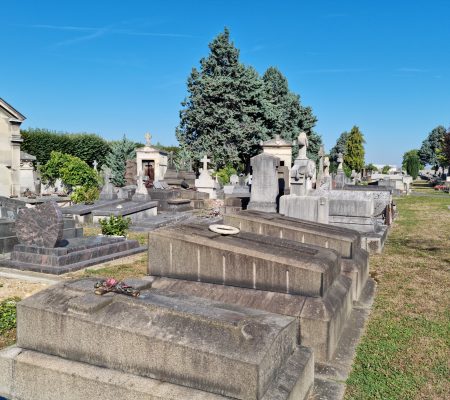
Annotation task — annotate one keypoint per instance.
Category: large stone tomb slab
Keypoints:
(257, 271)
(347, 242)
(71, 254)
(135, 210)
(186, 341)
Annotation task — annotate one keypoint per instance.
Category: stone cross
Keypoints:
(205, 160)
(302, 145)
(340, 160)
(326, 166)
(148, 138)
(321, 154)
(95, 163)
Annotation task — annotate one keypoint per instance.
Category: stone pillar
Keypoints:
(264, 192)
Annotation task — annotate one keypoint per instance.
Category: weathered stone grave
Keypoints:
(162, 345)
(42, 246)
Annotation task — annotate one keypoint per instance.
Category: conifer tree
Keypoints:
(116, 159)
(428, 153)
(339, 147)
(223, 115)
(354, 154)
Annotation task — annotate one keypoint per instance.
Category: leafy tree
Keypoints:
(385, 169)
(223, 115)
(411, 163)
(339, 147)
(429, 151)
(370, 167)
(116, 159)
(354, 154)
(70, 169)
(446, 147)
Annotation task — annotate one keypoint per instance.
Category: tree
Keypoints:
(429, 151)
(116, 159)
(386, 169)
(411, 163)
(223, 115)
(354, 154)
(339, 147)
(371, 168)
(446, 146)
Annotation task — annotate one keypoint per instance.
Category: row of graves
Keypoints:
(267, 305)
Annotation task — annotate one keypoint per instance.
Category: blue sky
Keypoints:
(115, 67)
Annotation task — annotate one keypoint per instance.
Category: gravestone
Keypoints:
(303, 171)
(264, 192)
(108, 191)
(131, 172)
(205, 183)
(141, 191)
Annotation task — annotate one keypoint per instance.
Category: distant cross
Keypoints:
(148, 138)
(95, 163)
(205, 160)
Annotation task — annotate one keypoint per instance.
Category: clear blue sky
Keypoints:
(115, 67)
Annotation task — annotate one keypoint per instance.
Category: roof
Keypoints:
(12, 111)
(277, 141)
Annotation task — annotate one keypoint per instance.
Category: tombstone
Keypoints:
(234, 179)
(281, 148)
(340, 161)
(131, 172)
(205, 183)
(141, 191)
(304, 170)
(264, 192)
(326, 167)
(321, 155)
(94, 164)
(108, 191)
(43, 248)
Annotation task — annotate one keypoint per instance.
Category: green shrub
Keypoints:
(71, 170)
(114, 226)
(224, 174)
(8, 314)
(85, 194)
(86, 146)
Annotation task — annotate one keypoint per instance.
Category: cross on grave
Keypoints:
(205, 160)
(95, 163)
(148, 138)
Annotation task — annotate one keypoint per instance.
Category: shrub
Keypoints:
(385, 169)
(8, 314)
(114, 226)
(71, 170)
(224, 174)
(85, 194)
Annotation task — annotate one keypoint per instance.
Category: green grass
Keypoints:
(404, 353)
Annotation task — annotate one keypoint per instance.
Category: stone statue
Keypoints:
(302, 145)
(326, 167)
(340, 160)
(148, 138)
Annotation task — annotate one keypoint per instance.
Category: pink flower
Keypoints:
(110, 282)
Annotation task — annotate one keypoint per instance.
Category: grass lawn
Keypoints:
(404, 353)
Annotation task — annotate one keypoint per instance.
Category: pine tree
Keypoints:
(354, 154)
(223, 115)
(339, 147)
(116, 159)
(428, 153)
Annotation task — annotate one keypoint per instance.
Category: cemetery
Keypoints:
(248, 262)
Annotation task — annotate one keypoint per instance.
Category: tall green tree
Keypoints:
(339, 147)
(116, 159)
(224, 113)
(411, 163)
(446, 147)
(285, 114)
(354, 154)
(429, 151)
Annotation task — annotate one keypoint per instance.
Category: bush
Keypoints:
(86, 146)
(224, 174)
(8, 314)
(71, 170)
(114, 226)
(385, 169)
(85, 194)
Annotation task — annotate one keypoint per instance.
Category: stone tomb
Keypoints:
(43, 248)
(346, 242)
(135, 210)
(261, 272)
(72, 344)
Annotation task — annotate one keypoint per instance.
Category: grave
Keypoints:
(265, 184)
(252, 270)
(42, 246)
(278, 147)
(134, 210)
(162, 345)
(205, 183)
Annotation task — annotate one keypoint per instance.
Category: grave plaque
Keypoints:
(41, 226)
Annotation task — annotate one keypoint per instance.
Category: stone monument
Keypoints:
(304, 170)
(141, 191)
(108, 191)
(264, 191)
(282, 149)
(150, 161)
(205, 183)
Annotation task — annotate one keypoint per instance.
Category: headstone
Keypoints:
(303, 171)
(340, 160)
(41, 226)
(264, 190)
(234, 179)
(205, 183)
(131, 172)
(108, 191)
(141, 191)
(94, 164)
(321, 155)
(326, 167)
